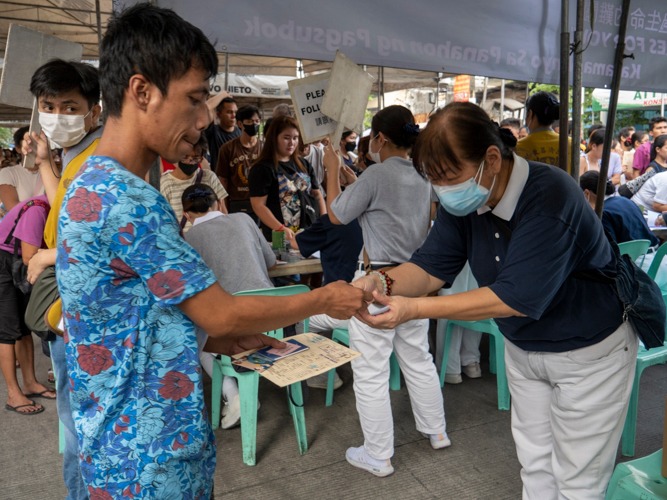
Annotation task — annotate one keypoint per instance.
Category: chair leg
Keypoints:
(61, 437)
(501, 374)
(394, 373)
(493, 366)
(330, 389)
(248, 391)
(216, 394)
(445, 353)
(630, 426)
(299, 417)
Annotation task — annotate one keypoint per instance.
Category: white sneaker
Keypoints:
(358, 457)
(453, 378)
(472, 370)
(320, 381)
(231, 413)
(438, 441)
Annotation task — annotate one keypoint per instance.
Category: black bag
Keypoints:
(640, 296)
(19, 269)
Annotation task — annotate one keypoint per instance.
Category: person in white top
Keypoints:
(594, 157)
(18, 184)
(653, 193)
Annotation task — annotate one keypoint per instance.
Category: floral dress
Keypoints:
(135, 379)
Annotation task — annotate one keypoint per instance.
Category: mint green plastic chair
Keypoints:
(249, 388)
(496, 355)
(342, 336)
(635, 248)
(655, 356)
(638, 480)
(61, 427)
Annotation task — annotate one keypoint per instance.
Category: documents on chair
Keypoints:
(321, 356)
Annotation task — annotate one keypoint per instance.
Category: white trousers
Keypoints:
(321, 323)
(371, 382)
(464, 344)
(568, 411)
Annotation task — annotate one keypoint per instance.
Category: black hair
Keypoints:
(624, 132)
(512, 123)
(545, 107)
(569, 127)
(198, 198)
(597, 137)
(589, 180)
(202, 144)
(155, 43)
(659, 142)
(593, 128)
(346, 134)
(221, 106)
(461, 131)
(398, 124)
(267, 124)
(656, 119)
(18, 137)
(247, 112)
(638, 136)
(58, 77)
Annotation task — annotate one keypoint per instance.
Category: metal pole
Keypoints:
(486, 87)
(662, 104)
(577, 90)
(226, 72)
(502, 99)
(564, 81)
(381, 86)
(613, 102)
(99, 24)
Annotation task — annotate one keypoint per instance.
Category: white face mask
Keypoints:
(64, 130)
(375, 156)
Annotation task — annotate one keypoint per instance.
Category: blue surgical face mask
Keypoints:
(464, 198)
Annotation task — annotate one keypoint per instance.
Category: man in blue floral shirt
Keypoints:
(132, 288)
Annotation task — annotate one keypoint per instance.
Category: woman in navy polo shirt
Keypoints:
(524, 227)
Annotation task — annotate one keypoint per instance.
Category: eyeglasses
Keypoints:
(192, 160)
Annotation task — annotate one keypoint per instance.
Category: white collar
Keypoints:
(507, 204)
(208, 216)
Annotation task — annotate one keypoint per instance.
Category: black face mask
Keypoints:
(188, 168)
(251, 130)
(350, 146)
(368, 162)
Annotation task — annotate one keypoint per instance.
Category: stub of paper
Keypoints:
(322, 355)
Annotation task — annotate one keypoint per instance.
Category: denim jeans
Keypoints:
(71, 469)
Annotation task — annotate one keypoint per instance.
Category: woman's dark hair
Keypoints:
(589, 180)
(398, 124)
(346, 134)
(198, 198)
(363, 147)
(18, 137)
(593, 128)
(658, 142)
(624, 133)
(201, 144)
(269, 153)
(545, 107)
(247, 112)
(597, 138)
(60, 77)
(155, 43)
(461, 131)
(638, 136)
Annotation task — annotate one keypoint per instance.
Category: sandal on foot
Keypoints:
(41, 394)
(16, 409)
(51, 378)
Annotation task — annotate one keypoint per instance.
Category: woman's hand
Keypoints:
(331, 161)
(289, 234)
(401, 310)
(347, 175)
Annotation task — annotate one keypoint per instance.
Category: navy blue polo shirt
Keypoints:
(339, 247)
(554, 232)
(625, 221)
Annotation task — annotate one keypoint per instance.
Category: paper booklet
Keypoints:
(308, 355)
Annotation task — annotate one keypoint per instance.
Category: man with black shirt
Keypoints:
(217, 135)
(235, 159)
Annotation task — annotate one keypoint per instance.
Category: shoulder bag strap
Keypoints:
(367, 262)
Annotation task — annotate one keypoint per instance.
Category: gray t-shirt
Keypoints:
(393, 205)
(236, 251)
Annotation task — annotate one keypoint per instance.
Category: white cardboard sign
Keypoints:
(307, 94)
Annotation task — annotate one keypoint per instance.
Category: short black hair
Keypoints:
(598, 137)
(59, 77)
(593, 128)
(247, 112)
(201, 144)
(589, 180)
(392, 121)
(656, 119)
(155, 43)
(225, 100)
(18, 137)
(545, 107)
(511, 123)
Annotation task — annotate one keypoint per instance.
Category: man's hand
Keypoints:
(344, 301)
(369, 283)
(39, 262)
(213, 103)
(402, 309)
(39, 144)
(236, 345)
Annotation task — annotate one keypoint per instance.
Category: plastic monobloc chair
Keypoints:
(496, 355)
(61, 427)
(249, 388)
(655, 356)
(635, 248)
(638, 479)
(342, 336)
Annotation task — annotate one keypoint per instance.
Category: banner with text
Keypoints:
(513, 39)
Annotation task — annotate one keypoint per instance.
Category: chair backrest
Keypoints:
(657, 259)
(634, 249)
(282, 291)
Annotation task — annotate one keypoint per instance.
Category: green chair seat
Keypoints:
(638, 480)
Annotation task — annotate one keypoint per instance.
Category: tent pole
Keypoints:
(662, 105)
(577, 90)
(502, 99)
(564, 81)
(381, 86)
(99, 24)
(486, 87)
(226, 71)
(613, 103)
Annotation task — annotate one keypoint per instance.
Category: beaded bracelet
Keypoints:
(387, 282)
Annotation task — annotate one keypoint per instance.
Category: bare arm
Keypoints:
(331, 163)
(320, 199)
(27, 251)
(266, 216)
(41, 260)
(659, 207)
(616, 179)
(9, 196)
(44, 159)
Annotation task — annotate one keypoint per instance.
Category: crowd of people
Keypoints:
(130, 289)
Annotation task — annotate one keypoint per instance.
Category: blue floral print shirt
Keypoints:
(135, 378)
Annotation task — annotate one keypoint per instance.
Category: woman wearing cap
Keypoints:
(524, 228)
(392, 203)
